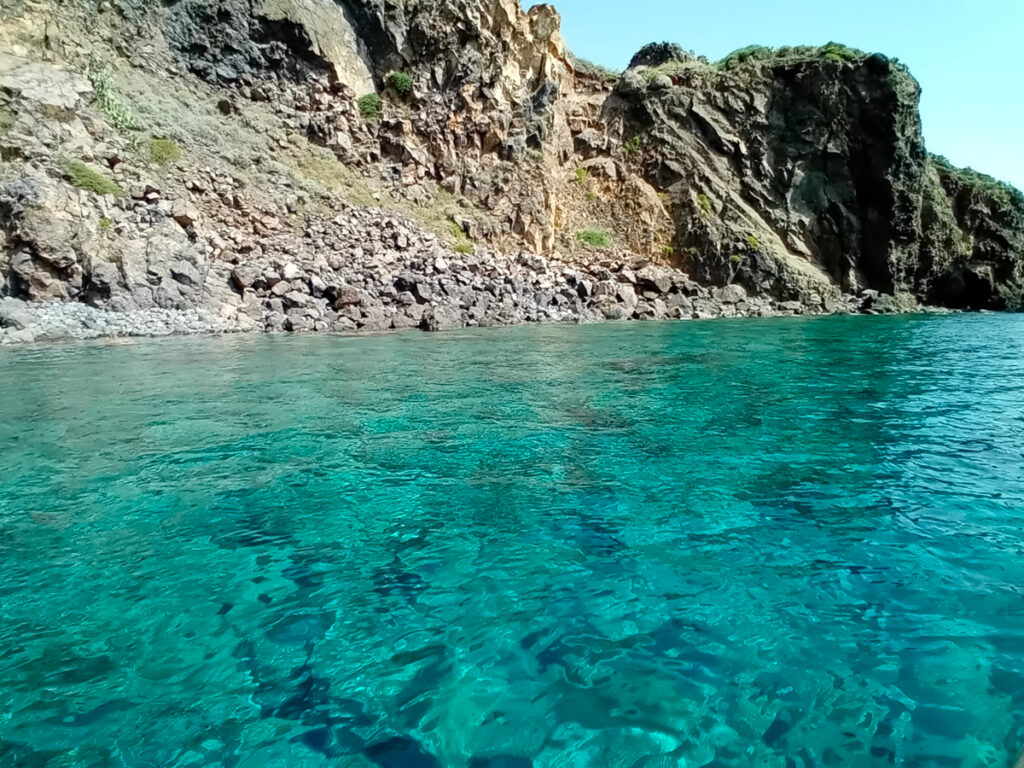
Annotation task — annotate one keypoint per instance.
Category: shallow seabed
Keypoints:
(792, 542)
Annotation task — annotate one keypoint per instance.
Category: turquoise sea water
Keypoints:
(793, 542)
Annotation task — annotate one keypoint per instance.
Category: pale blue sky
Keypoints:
(967, 54)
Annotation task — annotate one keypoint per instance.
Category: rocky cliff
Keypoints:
(803, 169)
(363, 165)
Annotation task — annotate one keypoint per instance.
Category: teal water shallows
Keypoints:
(741, 543)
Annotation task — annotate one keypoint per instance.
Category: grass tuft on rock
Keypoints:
(704, 203)
(594, 238)
(164, 152)
(369, 106)
(6, 119)
(462, 242)
(82, 176)
(401, 82)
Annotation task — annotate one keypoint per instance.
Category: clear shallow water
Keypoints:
(742, 543)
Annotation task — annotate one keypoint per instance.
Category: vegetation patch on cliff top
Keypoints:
(757, 54)
(1003, 193)
(674, 68)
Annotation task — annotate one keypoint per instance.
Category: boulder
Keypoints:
(654, 278)
(374, 318)
(346, 295)
(54, 92)
(731, 294)
(442, 318)
(14, 313)
(184, 213)
(627, 295)
(280, 288)
(244, 276)
(660, 83)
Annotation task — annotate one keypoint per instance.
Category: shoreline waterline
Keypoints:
(190, 323)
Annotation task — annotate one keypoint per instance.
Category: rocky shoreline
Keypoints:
(60, 322)
(648, 294)
(362, 270)
(185, 172)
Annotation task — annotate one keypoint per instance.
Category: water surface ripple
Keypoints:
(739, 543)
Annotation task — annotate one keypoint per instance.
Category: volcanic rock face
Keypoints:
(972, 249)
(804, 169)
(176, 157)
(787, 174)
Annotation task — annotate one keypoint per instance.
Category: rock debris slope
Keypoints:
(366, 165)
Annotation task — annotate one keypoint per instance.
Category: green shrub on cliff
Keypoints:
(840, 52)
(401, 82)
(753, 54)
(164, 152)
(119, 115)
(82, 176)
(6, 119)
(369, 106)
(744, 55)
(462, 242)
(594, 238)
(704, 203)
